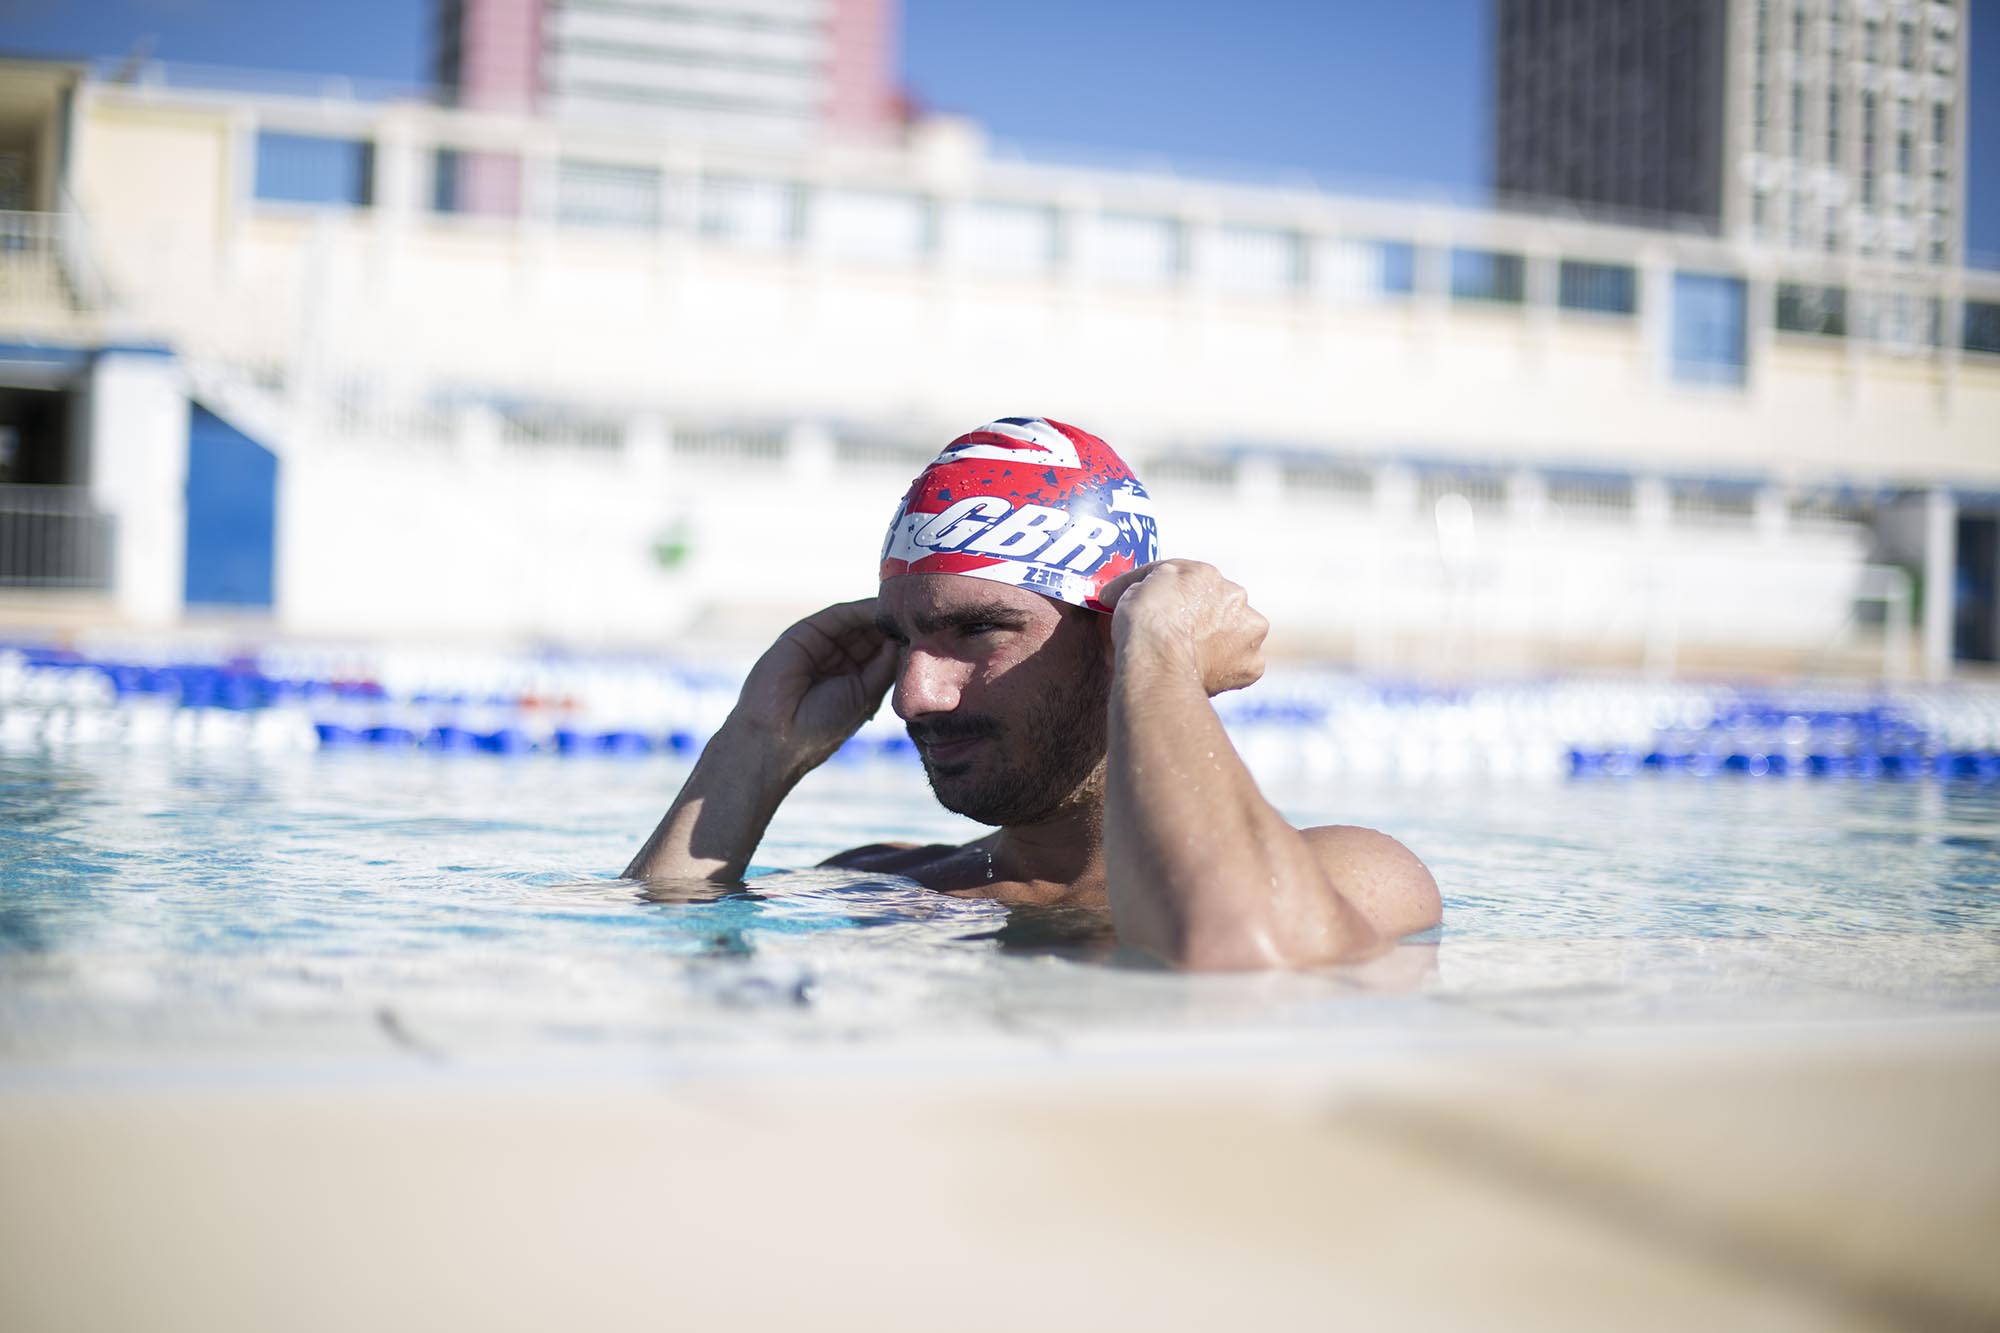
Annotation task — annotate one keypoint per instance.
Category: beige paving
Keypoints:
(1779, 1186)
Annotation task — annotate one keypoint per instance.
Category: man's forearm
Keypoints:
(715, 823)
(1202, 870)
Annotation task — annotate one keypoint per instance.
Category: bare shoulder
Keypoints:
(1380, 876)
(890, 858)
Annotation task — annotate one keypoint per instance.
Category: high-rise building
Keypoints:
(784, 70)
(1825, 125)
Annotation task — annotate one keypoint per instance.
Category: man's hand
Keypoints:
(1184, 613)
(808, 693)
(816, 685)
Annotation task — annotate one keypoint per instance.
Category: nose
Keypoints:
(927, 683)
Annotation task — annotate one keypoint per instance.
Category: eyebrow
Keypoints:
(984, 613)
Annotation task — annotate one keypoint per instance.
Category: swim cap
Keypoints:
(1026, 501)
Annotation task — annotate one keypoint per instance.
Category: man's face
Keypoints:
(1004, 692)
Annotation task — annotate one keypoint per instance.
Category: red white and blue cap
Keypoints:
(1026, 501)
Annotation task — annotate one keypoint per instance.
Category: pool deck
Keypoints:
(1832, 1177)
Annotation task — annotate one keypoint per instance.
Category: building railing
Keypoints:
(53, 537)
(46, 260)
(32, 271)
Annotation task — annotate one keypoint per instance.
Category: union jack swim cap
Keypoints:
(1026, 501)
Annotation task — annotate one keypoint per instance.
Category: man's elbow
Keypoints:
(1384, 879)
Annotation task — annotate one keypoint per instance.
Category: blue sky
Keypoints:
(1359, 95)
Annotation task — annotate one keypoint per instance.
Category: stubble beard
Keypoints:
(1065, 736)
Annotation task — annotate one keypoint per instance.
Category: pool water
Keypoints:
(168, 908)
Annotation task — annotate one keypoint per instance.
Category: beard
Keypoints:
(1065, 735)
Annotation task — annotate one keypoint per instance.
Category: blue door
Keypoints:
(232, 500)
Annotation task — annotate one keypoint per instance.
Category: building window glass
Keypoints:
(1809, 308)
(1396, 262)
(1938, 117)
(1868, 149)
(1486, 275)
(1364, 269)
(1610, 289)
(756, 214)
(1256, 261)
(605, 194)
(1871, 41)
(1798, 120)
(1010, 238)
(1833, 125)
(1138, 251)
(309, 169)
(1906, 42)
(469, 184)
(1708, 328)
(873, 226)
(1901, 322)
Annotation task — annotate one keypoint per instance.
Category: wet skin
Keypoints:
(1088, 738)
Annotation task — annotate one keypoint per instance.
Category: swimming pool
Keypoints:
(174, 909)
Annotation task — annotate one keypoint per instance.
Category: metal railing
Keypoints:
(53, 537)
(32, 271)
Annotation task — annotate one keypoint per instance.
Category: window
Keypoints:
(476, 184)
(1610, 289)
(1939, 115)
(1833, 125)
(1137, 250)
(1798, 120)
(1900, 321)
(1256, 261)
(1708, 328)
(1010, 238)
(1364, 268)
(873, 226)
(1871, 41)
(1982, 326)
(1906, 44)
(308, 169)
(1799, 33)
(759, 214)
(607, 194)
(1486, 275)
(1906, 154)
(1868, 149)
(1712, 502)
(1808, 308)
(1398, 265)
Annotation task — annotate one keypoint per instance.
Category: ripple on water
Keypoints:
(216, 902)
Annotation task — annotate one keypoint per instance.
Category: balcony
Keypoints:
(53, 537)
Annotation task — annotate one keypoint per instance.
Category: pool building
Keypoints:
(265, 360)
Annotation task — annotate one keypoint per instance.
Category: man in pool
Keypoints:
(1055, 677)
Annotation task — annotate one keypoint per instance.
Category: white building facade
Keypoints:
(1425, 437)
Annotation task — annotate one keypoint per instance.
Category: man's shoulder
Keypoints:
(890, 858)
